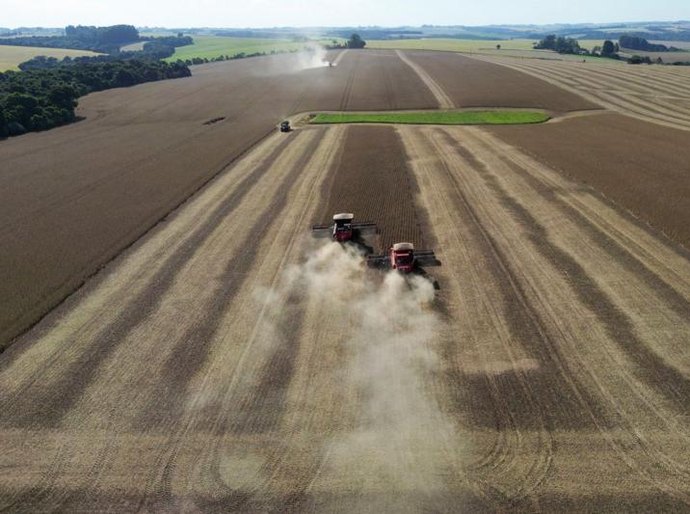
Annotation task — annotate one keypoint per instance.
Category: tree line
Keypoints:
(640, 43)
(97, 39)
(43, 98)
(560, 44)
(106, 40)
(609, 49)
(355, 41)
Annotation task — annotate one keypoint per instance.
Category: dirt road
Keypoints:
(226, 362)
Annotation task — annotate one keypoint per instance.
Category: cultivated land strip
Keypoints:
(652, 94)
(473, 83)
(645, 173)
(150, 345)
(444, 101)
(228, 362)
(88, 190)
(554, 363)
(555, 273)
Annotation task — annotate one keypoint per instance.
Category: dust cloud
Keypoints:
(401, 434)
(313, 56)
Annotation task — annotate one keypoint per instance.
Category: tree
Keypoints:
(608, 48)
(562, 45)
(548, 43)
(639, 43)
(42, 98)
(356, 41)
(3, 125)
(63, 96)
(637, 59)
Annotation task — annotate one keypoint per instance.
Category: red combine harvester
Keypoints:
(342, 229)
(404, 258)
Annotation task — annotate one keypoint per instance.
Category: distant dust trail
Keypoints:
(314, 56)
(444, 101)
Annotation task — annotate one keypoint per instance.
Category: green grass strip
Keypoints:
(437, 117)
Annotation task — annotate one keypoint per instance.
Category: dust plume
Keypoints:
(401, 436)
(310, 57)
(313, 56)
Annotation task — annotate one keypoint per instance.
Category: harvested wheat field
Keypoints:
(471, 82)
(660, 94)
(228, 362)
(642, 167)
(72, 198)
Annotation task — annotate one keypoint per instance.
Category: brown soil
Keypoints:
(194, 374)
(210, 368)
(566, 323)
(379, 170)
(74, 197)
(659, 94)
(473, 83)
(640, 166)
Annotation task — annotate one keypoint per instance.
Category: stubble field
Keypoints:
(657, 94)
(227, 362)
(12, 56)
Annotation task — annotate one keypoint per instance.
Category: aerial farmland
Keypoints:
(175, 340)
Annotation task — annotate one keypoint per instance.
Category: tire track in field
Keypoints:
(608, 92)
(628, 79)
(191, 350)
(69, 449)
(340, 57)
(621, 93)
(579, 79)
(296, 461)
(347, 92)
(668, 291)
(515, 413)
(657, 467)
(235, 389)
(666, 297)
(39, 356)
(49, 408)
(391, 102)
(444, 101)
(608, 77)
(671, 286)
(43, 486)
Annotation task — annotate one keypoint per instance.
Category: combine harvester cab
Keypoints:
(404, 258)
(342, 229)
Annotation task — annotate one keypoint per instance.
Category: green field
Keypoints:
(213, 46)
(11, 56)
(436, 117)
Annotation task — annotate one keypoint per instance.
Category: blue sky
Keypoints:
(305, 13)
